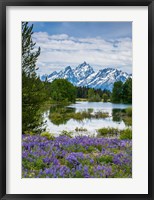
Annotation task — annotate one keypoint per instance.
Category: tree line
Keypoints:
(93, 94)
(122, 92)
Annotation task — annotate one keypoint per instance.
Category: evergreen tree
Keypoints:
(108, 93)
(29, 56)
(32, 87)
(127, 91)
(117, 92)
(97, 98)
(105, 97)
(91, 94)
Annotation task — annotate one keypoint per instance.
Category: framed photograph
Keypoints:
(76, 99)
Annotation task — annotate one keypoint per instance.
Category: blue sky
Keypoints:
(101, 44)
(106, 30)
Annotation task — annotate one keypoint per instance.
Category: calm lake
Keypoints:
(91, 125)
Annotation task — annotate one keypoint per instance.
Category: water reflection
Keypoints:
(61, 109)
(117, 114)
(83, 115)
(59, 114)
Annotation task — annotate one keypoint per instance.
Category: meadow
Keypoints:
(76, 157)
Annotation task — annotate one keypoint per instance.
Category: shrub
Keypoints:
(35, 165)
(62, 91)
(80, 129)
(129, 111)
(56, 118)
(126, 134)
(101, 115)
(91, 149)
(90, 110)
(127, 120)
(105, 159)
(108, 131)
(66, 133)
(49, 136)
(29, 133)
(99, 147)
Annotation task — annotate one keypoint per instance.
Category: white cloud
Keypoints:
(61, 50)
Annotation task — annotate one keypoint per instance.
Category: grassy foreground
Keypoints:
(79, 157)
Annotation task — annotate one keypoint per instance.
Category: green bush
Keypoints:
(90, 110)
(80, 129)
(79, 174)
(49, 136)
(104, 159)
(99, 147)
(91, 149)
(100, 114)
(126, 134)
(108, 131)
(66, 133)
(62, 91)
(127, 120)
(129, 111)
(29, 133)
(58, 118)
(35, 165)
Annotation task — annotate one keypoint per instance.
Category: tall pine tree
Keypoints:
(127, 91)
(29, 56)
(32, 87)
(117, 92)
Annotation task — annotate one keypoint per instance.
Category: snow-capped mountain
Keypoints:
(84, 75)
(83, 71)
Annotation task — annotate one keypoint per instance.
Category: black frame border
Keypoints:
(3, 6)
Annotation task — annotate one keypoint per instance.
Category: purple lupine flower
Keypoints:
(86, 172)
(55, 154)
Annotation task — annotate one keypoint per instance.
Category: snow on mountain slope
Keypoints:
(85, 76)
(83, 71)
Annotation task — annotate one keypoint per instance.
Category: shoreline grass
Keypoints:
(114, 132)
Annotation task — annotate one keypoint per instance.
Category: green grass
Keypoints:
(81, 99)
(129, 111)
(66, 133)
(104, 159)
(127, 120)
(108, 131)
(126, 134)
(122, 134)
(80, 129)
(49, 136)
(100, 114)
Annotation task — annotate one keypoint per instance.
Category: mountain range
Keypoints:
(85, 76)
